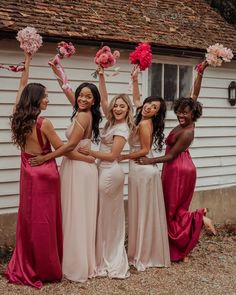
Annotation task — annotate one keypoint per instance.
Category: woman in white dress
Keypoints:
(79, 183)
(147, 229)
(110, 251)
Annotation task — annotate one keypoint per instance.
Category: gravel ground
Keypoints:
(211, 270)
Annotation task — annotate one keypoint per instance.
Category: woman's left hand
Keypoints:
(144, 161)
(38, 160)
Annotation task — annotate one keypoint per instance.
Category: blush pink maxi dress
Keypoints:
(148, 244)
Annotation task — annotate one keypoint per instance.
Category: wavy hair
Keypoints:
(158, 121)
(95, 108)
(194, 105)
(129, 116)
(26, 113)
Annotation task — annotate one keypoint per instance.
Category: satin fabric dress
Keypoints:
(110, 250)
(79, 196)
(148, 244)
(38, 253)
(178, 180)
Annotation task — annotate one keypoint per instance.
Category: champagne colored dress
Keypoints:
(79, 195)
(178, 180)
(38, 253)
(110, 251)
(147, 229)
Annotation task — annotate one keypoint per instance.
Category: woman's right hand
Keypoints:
(90, 159)
(84, 150)
(38, 160)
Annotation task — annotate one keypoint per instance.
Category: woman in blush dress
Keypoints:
(79, 184)
(110, 251)
(38, 252)
(179, 177)
(147, 230)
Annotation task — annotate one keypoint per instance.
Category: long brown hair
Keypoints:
(26, 113)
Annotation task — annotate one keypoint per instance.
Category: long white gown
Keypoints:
(79, 196)
(147, 228)
(110, 251)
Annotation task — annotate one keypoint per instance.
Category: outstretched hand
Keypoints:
(38, 160)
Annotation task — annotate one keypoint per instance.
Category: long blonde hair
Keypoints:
(129, 117)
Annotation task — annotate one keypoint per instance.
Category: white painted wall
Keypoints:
(214, 148)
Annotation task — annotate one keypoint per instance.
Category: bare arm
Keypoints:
(76, 135)
(68, 92)
(103, 91)
(117, 147)
(24, 78)
(136, 94)
(198, 81)
(182, 143)
(145, 136)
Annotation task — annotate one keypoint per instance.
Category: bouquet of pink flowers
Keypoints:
(29, 40)
(105, 58)
(65, 49)
(141, 56)
(217, 53)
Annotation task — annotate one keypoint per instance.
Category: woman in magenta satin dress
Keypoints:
(179, 177)
(37, 256)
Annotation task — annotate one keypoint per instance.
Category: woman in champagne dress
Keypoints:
(110, 250)
(79, 184)
(147, 229)
(179, 177)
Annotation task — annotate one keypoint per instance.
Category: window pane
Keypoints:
(185, 80)
(170, 82)
(155, 76)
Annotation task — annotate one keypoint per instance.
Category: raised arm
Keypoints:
(24, 78)
(60, 74)
(136, 94)
(198, 80)
(103, 91)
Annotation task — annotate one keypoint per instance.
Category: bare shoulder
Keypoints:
(83, 118)
(187, 134)
(47, 124)
(146, 123)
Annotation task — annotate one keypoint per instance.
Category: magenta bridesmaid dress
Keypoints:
(37, 256)
(178, 180)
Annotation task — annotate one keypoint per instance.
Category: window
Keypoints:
(170, 81)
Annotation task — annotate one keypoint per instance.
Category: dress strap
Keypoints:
(38, 130)
(78, 123)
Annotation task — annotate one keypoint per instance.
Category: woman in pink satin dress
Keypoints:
(37, 255)
(179, 177)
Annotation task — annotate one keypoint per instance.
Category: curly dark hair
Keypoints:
(26, 113)
(158, 121)
(95, 109)
(194, 105)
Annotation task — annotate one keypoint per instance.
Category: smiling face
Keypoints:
(44, 102)
(120, 110)
(185, 116)
(85, 99)
(150, 109)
